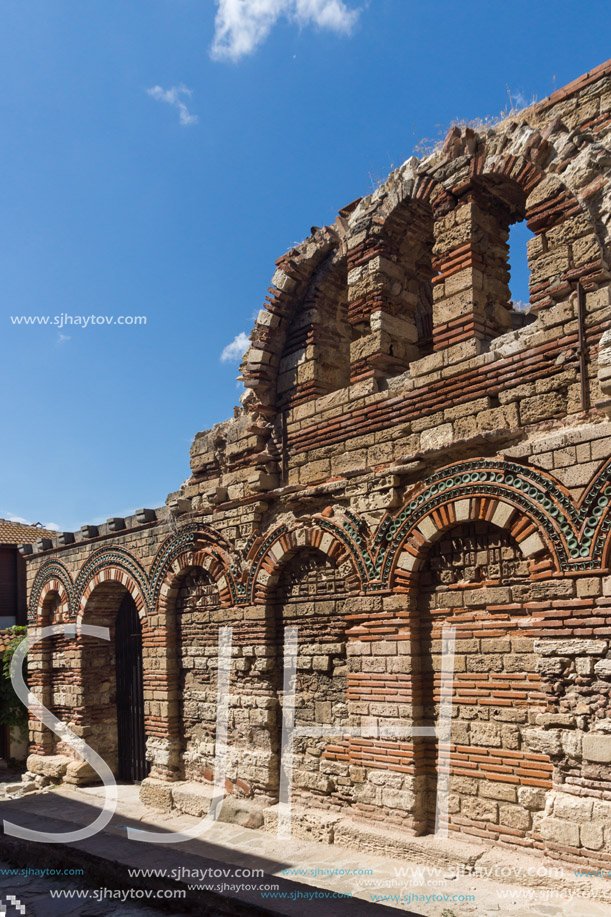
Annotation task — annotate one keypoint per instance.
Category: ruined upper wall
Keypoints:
(422, 263)
(408, 290)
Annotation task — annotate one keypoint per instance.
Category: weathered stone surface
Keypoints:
(156, 794)
(571, 647)
(412, 458)
(560, 832)
(597, 747)
(80, 772)
(48, 765)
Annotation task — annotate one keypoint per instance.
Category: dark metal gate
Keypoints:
(130, 698)
(5, 745)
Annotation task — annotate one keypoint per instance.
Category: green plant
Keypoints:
(12, 712)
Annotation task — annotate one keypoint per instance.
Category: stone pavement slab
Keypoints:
(454, 885)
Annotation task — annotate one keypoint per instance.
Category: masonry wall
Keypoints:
(414, 462)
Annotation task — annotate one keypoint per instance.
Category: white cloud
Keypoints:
(234, 352)
(173, 97)
(242, 25)
(52, 526)
(12, 518)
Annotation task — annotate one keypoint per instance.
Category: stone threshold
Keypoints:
(310, 824)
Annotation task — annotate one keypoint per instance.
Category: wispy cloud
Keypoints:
(62, 338)
(52, 526)
(173, 97)
(242, 25)
(234, 352)
(13, 518)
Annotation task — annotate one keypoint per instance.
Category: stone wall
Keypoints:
(412, 458)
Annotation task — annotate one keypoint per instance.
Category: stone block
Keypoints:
(492, 789)
(486, 734)
(547, 742)
(156, 793)
(398, 799)
(592, 835)
(572, 808)
(480, 809)
(603, 668)
(597, 747)
(514, 817)
(48, 765)
(81, 773)
(571, 647)
(437, 437)
(531, 797)
(560, 832)
(306, 824)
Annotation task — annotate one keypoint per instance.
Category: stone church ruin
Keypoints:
(412, 452)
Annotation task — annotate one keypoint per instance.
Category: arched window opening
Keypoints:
(519, 283)
(391, 296)
(416, 255)
(315, 358)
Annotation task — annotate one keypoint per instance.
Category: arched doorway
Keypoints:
(111, 717)
(131, 740)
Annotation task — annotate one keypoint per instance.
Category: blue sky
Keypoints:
(157, 156)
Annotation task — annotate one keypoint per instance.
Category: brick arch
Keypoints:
(314, 359)
(54, 587)
(188, 558)
(112, 566)
(473, 568)
(294, 272)
(390, 274)
(459, 509)
(518, 153)
(522, 155)
(283, 544)
(411, 184)
(52, 577)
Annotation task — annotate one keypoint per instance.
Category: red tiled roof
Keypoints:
(18, 533)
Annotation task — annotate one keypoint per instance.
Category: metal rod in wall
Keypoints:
(583, 368)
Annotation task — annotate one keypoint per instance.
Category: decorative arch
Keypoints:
(52, 576)
(283, 543)
(430, 528)
(115, 565)
(194, 546)
(537, 511)
(595, 516)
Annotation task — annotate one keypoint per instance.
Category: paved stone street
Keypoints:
(364, 876)
(33, 893)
